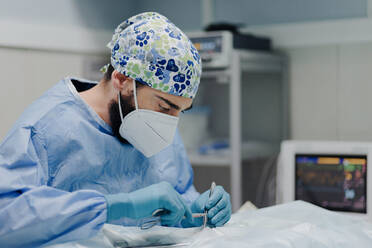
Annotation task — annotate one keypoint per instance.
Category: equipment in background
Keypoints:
(242, 41)
(333, 175)
(240, 116)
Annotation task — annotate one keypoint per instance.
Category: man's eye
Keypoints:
(163, 108)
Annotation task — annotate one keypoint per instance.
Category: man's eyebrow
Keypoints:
(169, 103)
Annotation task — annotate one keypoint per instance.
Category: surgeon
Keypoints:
(88, 153)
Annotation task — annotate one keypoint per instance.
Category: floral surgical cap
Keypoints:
(153, 51)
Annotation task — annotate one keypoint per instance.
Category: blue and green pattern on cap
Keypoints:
(153, 51)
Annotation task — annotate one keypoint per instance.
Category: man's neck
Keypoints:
(99, 98)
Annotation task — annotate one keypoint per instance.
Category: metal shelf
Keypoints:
(197, 159)
(250, 62)
(223, 159)
(260, 62)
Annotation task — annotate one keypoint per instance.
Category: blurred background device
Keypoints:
(331, 174)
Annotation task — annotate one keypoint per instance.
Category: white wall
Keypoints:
(313, 91)
(26, 74)
(355, 101)
(330, 92)
(43, 41)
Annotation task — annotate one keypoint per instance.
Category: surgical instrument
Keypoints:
(155, 219)
(205, 210)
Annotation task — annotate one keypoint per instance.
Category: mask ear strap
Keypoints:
(135, 94)
(121, 114)
(135, 99)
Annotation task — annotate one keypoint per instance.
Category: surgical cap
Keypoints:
(153, 51)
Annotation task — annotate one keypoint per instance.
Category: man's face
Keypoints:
(148, 98)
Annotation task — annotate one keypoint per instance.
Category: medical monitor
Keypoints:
(332, 175)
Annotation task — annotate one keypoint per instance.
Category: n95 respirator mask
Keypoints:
(147, 130)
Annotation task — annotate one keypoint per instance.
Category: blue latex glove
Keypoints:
(218, 207)
(142, 203)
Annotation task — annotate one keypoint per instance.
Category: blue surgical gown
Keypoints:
(58, 161)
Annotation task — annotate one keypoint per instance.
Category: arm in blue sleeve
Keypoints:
(33, 214)
(188, 192)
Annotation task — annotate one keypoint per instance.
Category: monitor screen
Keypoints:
(335, 182)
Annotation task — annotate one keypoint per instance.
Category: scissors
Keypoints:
(155, 219)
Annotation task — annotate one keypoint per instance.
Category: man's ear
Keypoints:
(122, 83)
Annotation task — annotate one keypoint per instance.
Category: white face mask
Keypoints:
(148, 131)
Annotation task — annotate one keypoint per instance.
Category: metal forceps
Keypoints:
(147, 223)
(155, 219)
(205, 210)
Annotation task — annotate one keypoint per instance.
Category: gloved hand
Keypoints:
(218, 207)
(142, 203)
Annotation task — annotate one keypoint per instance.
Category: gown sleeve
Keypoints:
(33, 214)
(188, 191)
